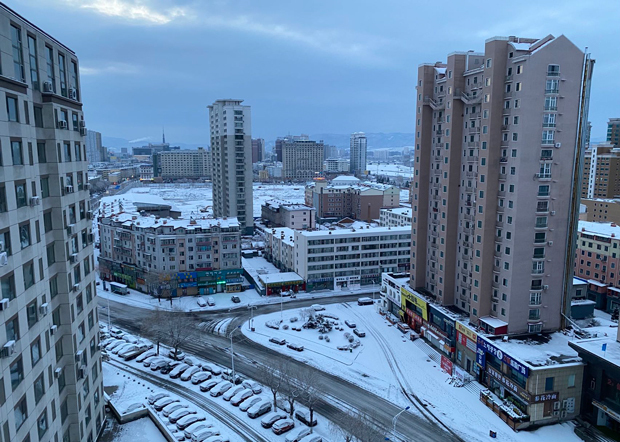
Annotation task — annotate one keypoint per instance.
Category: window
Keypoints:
(18, 60)
(12, 329)
(518, 87)
(552, 86)
(35, 351)
(42, 424)
(549, 384)
(62, 74)
(8, 287)
(45, 187)
(520, 69)
(49, 55)
(79, 302)
(535, 298)
(31, 313)
(74, 78)
(11, 108)
(553, 70)
(67, 151)
(488, 63)
(571, 381)
(534, 314)
(551, 103)
(17, 373)
(541, 221)
(24, 235)
(41, 153)
(39, 388)
(64, 411)
(53, 286)
(32, 56)
(16, 153)
(543, 190)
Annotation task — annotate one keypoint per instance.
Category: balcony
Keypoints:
(499, 224)
(536, 272)
(541, 226)
(469, 217)
(439, 132)
(470, 189)
(552, 91)
(549, 125)
(470, 174)
(504, 127)
(496, 269)
(503, 160)
(508, 78)
(502, 177)
(472, 158)
(474, 130)
(508, 94)
(495, 284)
(546, 176)
(474, 144)
(468, 98)
(501, 193)
(435, 105)
(500, 209)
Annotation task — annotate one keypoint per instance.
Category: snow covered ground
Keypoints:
(387, 362)
(141, 430)
(392, 170)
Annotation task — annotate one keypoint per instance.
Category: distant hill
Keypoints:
(378, 140)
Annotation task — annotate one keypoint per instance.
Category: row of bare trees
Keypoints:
(172, 328)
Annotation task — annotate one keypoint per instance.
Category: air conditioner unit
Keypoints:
(545, 287)
(69, 189)
(82, 123)
(57, 372)
(89, 215)
(76, 287)
(73, 94)
(558, 144)
(70, 229)
(9, 349)
(556, 405)
(48, 87)
(78, 356)
(562, 414)
(72, 259)
(35, 201)
(53, 329)
(552, 213)
(4, 259)
(44, 309)
(2, 245)
(4, 304)
(83, 131)
(62, 124)
(549, 243)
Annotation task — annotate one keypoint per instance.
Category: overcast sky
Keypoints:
(305, 66)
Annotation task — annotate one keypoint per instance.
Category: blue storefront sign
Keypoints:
(484, 347)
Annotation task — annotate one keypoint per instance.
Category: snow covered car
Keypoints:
(210, 301)
(235, 299)
(359, 333)
(282, 426)
(195, 428)
(248, 403)
(178, 356)
(231, 392)
(146, 354)
(206, 386)
(350, 324)
(241, 396)
(178, 371)
(111, 346)
(188, 420)
(205, 434)
(295, 347)
(297, 434)
(157, 396)
(259, 409)
(201, 302)
(147, 362)
(221, 388)
(178, 414)
(159, 364)
(178, 435)
(200, 377)
(272, 418)
(254, 386)
(160, 404)
(312, 438)
(116, 332)
(304, 417)
(317, 307)
(172, 408)
(279, 341)
(130, 338)
(191, 371)
(214, 369)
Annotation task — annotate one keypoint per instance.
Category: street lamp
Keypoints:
(396, 417)
(232, 353)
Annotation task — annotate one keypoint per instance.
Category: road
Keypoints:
(339, 394)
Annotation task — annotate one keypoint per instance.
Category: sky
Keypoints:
(313, 66)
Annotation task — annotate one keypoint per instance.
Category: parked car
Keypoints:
(217, 438)
(116, 332)
(172, 408)
(283, 425)
(201, 302)
(122, 347)
(254, 386)
(365, 301)
(317, 307)
(272, 418)
(279, 341)
(221, 388)
(178, 435)
(157, 396)
(228, 376)
(240, 396)
(206, 386)
(359, 333)
(297, 434)
(191, 371)
(178, 414)
(210, 301)
(195, 428)
(166, 369)
(111, 346)
(159, 364)
(155, 360)
(146, 354)
(130, 338)
(295, 347)
(249, 402)
(231, 392)
(107, 342)
(160, 404)
(179, 356)
(350, 324)
(304, 417)
(189, 361)
(214, 369)
(186, 421)
(131, 354)
(200, 377)
(178, 371)
(259, 409)
(205, 434)
(235, 299)
(312, 438)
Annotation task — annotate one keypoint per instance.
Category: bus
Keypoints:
(117, 287)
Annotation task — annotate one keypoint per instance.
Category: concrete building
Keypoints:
(146, 172)
(179, 164)
(51, 382)
(358, 153)
(94, 149)
(347, 196)
(202, 255)
(398, 216)
(601, 172)
(335, 165)
(258, 150)
(495, 158)
(277, 213)
(601, 210)
(231, 151)
(598, 252)
(280, 247)
(302, 159)
(613, 131)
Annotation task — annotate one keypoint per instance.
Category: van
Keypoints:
(259, 409)
(365, 301)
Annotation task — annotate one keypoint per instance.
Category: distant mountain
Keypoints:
(375, 140)
(116, 143)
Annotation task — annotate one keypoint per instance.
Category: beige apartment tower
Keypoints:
(231, 162)
(51, 386)
(498, 135)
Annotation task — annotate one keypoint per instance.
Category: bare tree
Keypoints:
(310, 386)
(168, 327)
(355, 426)
(292, 389)
(272, 377)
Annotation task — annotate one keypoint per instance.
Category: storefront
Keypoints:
(466, 348)
(276, 283)
(319, 284)
(218, 281)
(351, 282)
(440, 331)
(414, 309)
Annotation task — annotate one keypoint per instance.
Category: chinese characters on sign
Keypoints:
(446, 365)
(487, 347)
(509, 384)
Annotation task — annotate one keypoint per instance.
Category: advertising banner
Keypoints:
(446, 365)
(485, 346)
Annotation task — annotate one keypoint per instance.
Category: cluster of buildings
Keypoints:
(51, 385)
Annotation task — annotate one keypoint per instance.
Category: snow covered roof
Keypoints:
(610, 230)
(139, 221)
(286, 232)
(345, 179)
(275, 278)
(540, 351)
(596, 283)
(579, 281)
(494, 322)
(582, 302)
(407, 211)
(356, 232)
(595, 347)
(285, 205)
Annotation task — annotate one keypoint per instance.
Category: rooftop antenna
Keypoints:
(163, 135)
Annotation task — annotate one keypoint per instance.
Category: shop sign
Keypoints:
(509, 384)
(465, 341)
(416, 318)
(546, 397)
(607, 410)
(466, 331)
(484, 346)
(446, 365)
(409, 296)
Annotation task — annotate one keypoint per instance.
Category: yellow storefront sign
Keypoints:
(407, 295)
(467, 332)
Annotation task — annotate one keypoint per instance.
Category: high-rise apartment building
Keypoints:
(231, 168)
(178, 164)
(358, 153)
(302, 159)
(601, 172)
(613, 131)
(493, 195)
(51, 385)
(258, 150)
(94, 148)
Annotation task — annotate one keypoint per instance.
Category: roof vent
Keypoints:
(613, 224)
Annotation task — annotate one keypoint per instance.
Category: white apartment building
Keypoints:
(284, 214)
(336, 165)
(280, 247)
(358, 153)
(51, 385)
(398, 216)
(178, 164)
(231, 162)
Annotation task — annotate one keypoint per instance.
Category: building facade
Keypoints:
(258, 150)
(231, 168)
(302, 160)
(399, 216)
(335, 165)
(94, 148)
(601, 172)
(598, 252)
(179, 164)
(50, 383)
(146, 172)
(282, 214)
(613, 131)
(496, 136)
(358, 149)
(601, 210)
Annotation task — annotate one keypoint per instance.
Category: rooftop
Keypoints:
(130, 219)
(285, 205)
(399, 210)
(595, 347)
(356, 232)
(609, 230)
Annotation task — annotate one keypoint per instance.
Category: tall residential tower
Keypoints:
(231, 161)
(496, 189)
(358, 153)
(51, 385)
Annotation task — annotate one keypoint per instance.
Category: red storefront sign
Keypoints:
(415, 321)
(446, 365)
